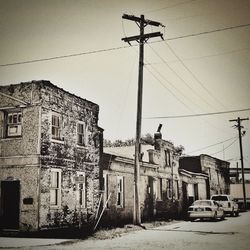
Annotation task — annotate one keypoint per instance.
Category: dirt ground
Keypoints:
(110, 233)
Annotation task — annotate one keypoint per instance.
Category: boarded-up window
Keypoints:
(81, 190)
(159, 189)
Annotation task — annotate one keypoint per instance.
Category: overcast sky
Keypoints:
(197, 73)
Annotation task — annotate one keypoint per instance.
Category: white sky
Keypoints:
(218, 63)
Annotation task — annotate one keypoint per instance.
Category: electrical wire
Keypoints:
(65, 56)
(224, 148)
(168, 7)
(192, 89)
(208, 32)
(117, 48)
(194, 76)
(194, 115)
(209, 146)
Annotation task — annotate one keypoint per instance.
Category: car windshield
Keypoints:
(202, 203)
(219, 198)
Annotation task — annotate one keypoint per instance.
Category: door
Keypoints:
(196, 192)
(185, 198)
(10, 200)
(208, 188)
(150, 197)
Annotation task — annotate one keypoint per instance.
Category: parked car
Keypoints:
(228, 203)
(201, 209)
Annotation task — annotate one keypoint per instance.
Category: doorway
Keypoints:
(10, 203)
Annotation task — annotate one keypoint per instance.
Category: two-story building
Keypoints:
(216, 170)
(50, 147)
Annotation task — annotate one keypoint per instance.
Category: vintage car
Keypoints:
(205, 209)
(229, 205)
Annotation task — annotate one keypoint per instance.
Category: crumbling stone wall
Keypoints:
(29, 158)
(218, 172)
(69, 157)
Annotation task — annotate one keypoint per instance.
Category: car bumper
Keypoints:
(204, 214)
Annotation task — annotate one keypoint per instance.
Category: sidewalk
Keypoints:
(16, 242)
(13, 242)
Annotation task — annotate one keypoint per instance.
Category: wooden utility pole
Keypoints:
(141, 39)
(238, 120)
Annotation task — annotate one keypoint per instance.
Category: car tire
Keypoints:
(214, 218)
(223, 217)
(232, 214)
(236, 213)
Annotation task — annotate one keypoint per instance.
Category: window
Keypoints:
(1, 124)
(56, 128)
(167, 158)
(14, 124)
(105, 189)
(81, 195)
(55, 187)
(81, 134)
(120, 191)
(169, 193)
(159, 189)
(177, 191)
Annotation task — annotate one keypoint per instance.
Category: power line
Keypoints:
(168, 7)
(166, 87)
(64, 56)
(225, 147)
(217, 54)
(194, 91)
(209, 32)
(194, 115)
(209, 146)
(117, 48)
(206, 56)
(193, 75)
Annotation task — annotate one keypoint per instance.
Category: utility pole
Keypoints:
(238, 120)
(141, 39)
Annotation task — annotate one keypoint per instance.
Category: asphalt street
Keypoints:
(232, 233)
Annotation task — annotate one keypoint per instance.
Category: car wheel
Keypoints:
(236, 213)
(214, 217)
(223, 216)
(232, 214)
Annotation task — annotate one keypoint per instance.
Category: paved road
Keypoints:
(232, 233)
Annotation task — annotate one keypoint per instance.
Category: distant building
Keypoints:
(50, 149)
(217, 171)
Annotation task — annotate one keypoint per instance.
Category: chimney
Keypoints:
(158, 134)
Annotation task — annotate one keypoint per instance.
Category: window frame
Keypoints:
(57, 188)
(105, 189)
(81, 191)
(6, 124)
(120, 202)
(169, 188)
(58, 128)
(159, 189)
(83, 134)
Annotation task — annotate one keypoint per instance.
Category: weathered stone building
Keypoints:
(161, 193)
(217, 171)
(50, 149)
(166, 188)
